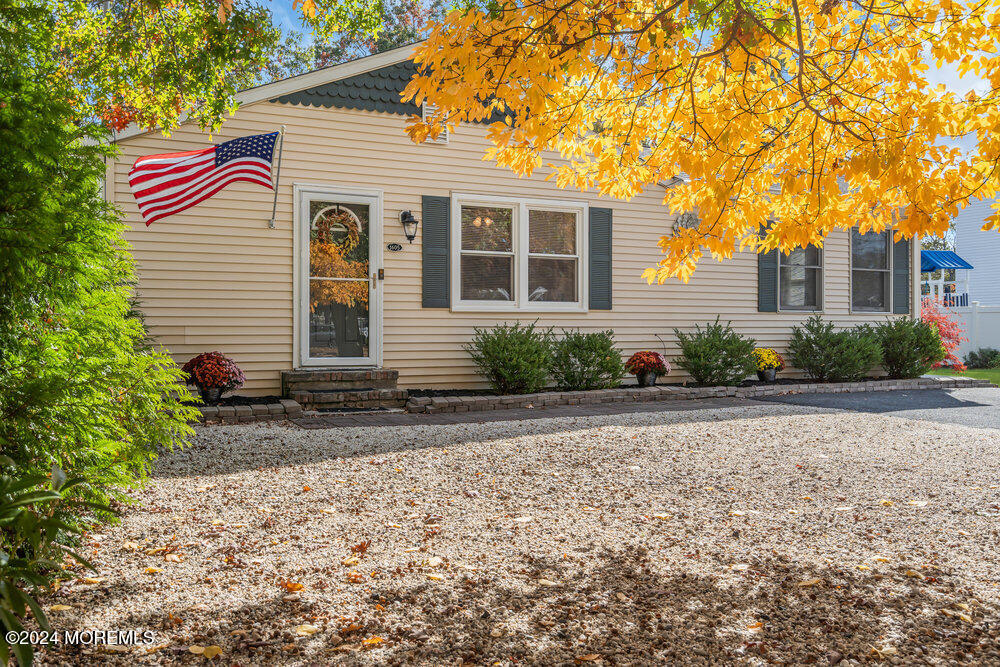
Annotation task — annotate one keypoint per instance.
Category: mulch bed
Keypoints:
(244, 400)
(490, 392)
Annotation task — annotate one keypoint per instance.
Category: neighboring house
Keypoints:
(981, 250)
(336, 284)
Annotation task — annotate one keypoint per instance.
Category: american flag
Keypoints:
(171, 182)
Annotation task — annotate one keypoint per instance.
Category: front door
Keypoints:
(339, 303)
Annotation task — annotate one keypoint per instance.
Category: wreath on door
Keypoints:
(335, 233)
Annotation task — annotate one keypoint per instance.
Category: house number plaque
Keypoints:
(393, 247)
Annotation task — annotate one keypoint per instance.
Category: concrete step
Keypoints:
(337, 380)
(355, 399)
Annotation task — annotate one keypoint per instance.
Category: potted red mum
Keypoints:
(214, 374)
(646, 366)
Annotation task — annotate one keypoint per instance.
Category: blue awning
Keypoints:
(932, 260)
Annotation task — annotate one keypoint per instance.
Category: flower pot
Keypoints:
(646, 378)
(211, 395)
(767, 375)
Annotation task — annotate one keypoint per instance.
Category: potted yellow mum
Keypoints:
(768, 363)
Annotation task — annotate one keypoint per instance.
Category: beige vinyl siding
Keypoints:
(216, 278)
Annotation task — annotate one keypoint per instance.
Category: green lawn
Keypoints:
(991, 374)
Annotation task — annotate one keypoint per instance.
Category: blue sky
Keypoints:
(285, 15)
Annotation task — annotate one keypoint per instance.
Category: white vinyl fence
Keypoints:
(981, 325)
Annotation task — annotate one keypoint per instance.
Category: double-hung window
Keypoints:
(513, 254)
(871, 271)
(800, 279)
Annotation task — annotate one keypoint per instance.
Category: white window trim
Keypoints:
(521, 206)
(822, 284)
(889, 306)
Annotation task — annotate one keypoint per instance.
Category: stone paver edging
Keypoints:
(445, 404)
(243, 414)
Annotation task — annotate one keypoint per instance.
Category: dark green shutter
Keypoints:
(600, 259)
(901, 276)
(435, 252)
(767, 282)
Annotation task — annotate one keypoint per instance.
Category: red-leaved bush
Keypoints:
(935, 313)
(211, 370)
(646, 361)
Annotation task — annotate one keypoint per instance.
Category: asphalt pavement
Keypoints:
(977, 407)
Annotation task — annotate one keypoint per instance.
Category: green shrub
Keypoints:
(33, 513)
(717, 354)
(834, 356)
(586, 361)
(514, 359)
(984, 357)
(909, 347)
(78, 385)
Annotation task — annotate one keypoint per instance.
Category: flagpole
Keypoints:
(277, 177)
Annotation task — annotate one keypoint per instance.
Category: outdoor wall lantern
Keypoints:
(409, 225)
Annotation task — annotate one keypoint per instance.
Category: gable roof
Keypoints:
(316, 79)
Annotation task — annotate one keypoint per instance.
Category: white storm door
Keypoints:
(339, 299)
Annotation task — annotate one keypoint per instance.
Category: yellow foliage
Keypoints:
(778, 123)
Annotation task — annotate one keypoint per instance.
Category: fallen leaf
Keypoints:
(60, 607)
(806, 498)
(435, 561)
(661, 517)
(522, 519)
(197, 650)
(211, 651)
(306, 488)
(756, 627)
(846, 508)
(918, 503)
(913, 574)
(355, 577)
(291, 586)
(739, 567)
(547, 582)
(361, 547)
(153, 570)
(590, 657)
(372, 641)
(496, 632)
(158, 647)
(808, 582)
(736, 513)
(350, 560)
(881, 559)
(863, 567)
(92, 580)
(957, 614)
(172, 558)
(885, 502)
(435, 577)
(305, 630)
(130, 546)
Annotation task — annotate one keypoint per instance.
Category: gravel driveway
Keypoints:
(759, 534)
